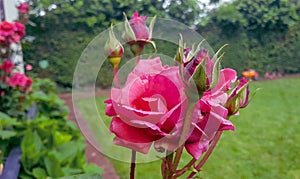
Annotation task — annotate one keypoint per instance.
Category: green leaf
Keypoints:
(6, 120)
(31, 149)
(92, 169)
(39, 173)
(67, 151)
(91, 21)
(53, 166)
(71, 171)
(61, 138)
(7, 134)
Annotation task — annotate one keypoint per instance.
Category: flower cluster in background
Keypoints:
(11, 83)
(14, 86)
(172, 108)
(11, 32)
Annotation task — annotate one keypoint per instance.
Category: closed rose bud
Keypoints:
(113, 49)
(238, 97)
(137, 34)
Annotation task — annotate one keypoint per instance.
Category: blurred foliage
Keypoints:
(262, 34)
(51, 145)
(63, 28)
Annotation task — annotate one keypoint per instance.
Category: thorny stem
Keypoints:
(132, 166)
(208, 153)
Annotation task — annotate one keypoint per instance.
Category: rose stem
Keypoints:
(116, 77)
(132, 166)
(138, 58)
(207, 154)
(177, 158)
(169, 159)
(183, 136)
(185, 168)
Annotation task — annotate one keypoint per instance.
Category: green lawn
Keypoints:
(266, 142)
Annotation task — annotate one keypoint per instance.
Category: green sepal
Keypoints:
(152, 43)
(230, 91)
(216, 72)
(199, 77)
(180, 54)
(217, 67)
(151, 26)
(112, 45)
(128, 34)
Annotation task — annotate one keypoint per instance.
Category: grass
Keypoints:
(266, 142)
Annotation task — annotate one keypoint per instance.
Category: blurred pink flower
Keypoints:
(6, 29)
(24, 7)
(18, 79)
(7, 66)
(19, 31)
(11, 32)
(28, 67)
(148, 107)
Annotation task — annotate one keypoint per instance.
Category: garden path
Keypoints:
(93, 155)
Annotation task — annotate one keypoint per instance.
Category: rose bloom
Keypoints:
(150, 108)
(19, 32)
(18, 79)
(210, 115)
(7, 66)
(6, 29)
(139, 27)
(24, 7)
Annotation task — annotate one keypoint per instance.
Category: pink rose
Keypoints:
(212, 119)
(6, 29)
(7, 66)
(23, 7)
(150, 107)
(139, 27)
(28, 67)
(19, 32)
(210, 115)
(18, 79)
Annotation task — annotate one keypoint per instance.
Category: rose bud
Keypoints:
(199, 72)
(113, 49)
(137, 34)
(238, 96)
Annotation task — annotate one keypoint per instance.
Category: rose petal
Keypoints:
(109, 110)
(139, 147)
(196, 149)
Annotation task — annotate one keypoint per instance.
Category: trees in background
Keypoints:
(65, 27)
(262, 34)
